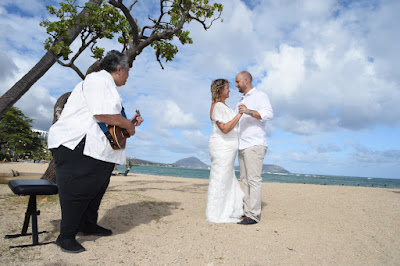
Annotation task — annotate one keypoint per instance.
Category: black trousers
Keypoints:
(82, 182)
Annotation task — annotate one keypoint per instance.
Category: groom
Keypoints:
(252, 144)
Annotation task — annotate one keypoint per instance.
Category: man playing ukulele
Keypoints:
(82, 152)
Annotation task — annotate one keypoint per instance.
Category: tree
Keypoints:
(16, 136)
(50, 173)
(106, 19)
(46, 62)
(99, 19)
(114, 18)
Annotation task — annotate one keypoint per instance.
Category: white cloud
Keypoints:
(22, 34)
(196, 138)
(327, 66)
(285, 71)
(7, 67)
(39, 105)
(328, 77)
(166, 113)
(28, 7)
(174, 117)
(367, 156)
(297, 126)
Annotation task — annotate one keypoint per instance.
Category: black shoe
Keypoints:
(69, 245)
(247, 221)
(96, 230)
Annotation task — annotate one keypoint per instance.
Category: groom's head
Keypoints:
(243, 82)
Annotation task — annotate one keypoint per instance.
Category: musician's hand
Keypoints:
(139, 120)
(131, 130)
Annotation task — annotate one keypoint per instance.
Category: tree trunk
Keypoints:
(50, 173)
(47, 61)
(26, 82)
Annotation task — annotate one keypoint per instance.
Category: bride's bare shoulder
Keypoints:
(212, 109)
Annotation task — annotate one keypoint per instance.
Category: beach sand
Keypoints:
(160, 220)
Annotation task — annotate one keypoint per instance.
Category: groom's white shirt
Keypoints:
(251, 130)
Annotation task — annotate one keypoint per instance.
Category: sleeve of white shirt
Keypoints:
(264, 107)
(102, 97)
(218, 114)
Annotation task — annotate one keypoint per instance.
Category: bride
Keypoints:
(224, 197)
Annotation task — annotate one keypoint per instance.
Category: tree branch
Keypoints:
(168, 33)
(203, 22)
(131, 6)
(71, 65)
(74, 67)
(158, 59)
(128, 16)
(78, 53)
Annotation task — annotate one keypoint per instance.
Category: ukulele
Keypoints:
(120, 134)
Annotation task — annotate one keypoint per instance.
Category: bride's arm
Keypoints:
(227, 127)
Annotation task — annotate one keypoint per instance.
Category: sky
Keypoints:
(330, 68)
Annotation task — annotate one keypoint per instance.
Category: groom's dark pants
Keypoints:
(82, 182)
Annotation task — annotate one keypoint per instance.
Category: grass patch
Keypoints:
(12, 202)
(47, 199)
(3, 181)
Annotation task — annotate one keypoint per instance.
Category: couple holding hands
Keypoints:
(243, 130)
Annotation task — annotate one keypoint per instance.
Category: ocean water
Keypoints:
(273, 177)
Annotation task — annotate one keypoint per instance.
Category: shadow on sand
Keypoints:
(142, 186)
(123, 218)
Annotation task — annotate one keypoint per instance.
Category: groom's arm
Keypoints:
(253, 113)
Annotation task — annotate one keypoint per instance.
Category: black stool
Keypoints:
(31, 187)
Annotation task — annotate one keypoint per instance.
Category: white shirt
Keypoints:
(251, 130)
(96, 95)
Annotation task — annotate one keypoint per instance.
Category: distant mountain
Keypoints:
(139, 161)
(134, 161)
(271, 168)
(192, 162)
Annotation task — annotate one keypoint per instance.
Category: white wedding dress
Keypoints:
(224, 197)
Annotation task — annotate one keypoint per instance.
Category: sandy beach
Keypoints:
(160, 220)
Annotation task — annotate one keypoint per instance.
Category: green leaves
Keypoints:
(165, 49)
(113, 19)
(187, 10)
(101, 22)
(16, 135)
(98, 52)
(184, 37)
(58, 30)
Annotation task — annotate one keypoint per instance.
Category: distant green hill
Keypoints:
(193, 162)
(271, 168)
(134, 161)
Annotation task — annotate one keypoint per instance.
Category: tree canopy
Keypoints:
(113, 19)
(109, 19)
(16, 136)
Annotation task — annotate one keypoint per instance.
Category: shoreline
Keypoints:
(329, 180)
(30, 170)
(158, 220)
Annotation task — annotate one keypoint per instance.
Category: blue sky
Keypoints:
(330, 68)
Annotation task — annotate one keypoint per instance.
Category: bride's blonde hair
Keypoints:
(217, 86)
